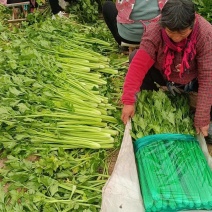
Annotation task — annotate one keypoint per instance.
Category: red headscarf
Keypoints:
(187, 46)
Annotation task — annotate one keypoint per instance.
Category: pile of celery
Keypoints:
(56, 119)
(52, 88)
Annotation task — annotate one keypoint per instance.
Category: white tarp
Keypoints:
(122, 190)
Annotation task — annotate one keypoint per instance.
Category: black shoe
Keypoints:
(208, 139)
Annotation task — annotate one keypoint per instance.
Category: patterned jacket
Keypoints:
(125, 8)
(151, 52)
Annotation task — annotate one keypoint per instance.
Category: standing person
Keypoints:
(127, 19)
(174, 51)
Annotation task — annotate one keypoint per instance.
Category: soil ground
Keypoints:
(210, 149)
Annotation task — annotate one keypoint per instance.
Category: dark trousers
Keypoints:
(110, 13)
(55, 7)
(152, 78)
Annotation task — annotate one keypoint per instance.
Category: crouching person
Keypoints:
(175, 51)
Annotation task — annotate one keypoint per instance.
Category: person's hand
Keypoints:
(128, 111)
(203, 130)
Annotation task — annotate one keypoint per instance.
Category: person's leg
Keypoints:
(152, 78)
(55, 7)
(110, 13)
(132, 55)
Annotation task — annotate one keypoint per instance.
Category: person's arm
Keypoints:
(138, 68)
(204, 98)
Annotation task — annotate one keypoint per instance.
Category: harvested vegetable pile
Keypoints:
(53, 113)
(51, 89)
(51, 181)
(173, 172)
(159, 112)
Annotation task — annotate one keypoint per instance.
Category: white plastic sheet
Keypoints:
(122, 190)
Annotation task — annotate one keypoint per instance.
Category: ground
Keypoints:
(210, 149)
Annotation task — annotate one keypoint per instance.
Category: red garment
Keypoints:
(200, 67)
(141, 61)
(125, 8)
(186, 47)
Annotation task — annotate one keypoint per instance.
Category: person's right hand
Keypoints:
(128, 112)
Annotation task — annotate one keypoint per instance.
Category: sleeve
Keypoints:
(138, 68)
(204, 97)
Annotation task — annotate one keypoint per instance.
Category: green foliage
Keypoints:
(86, 11)
(159, 112)
(37, 16)
(52, 180)
(57, 179)
(204, 8)
(37, 72)
(5, 13)
(101, 31)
